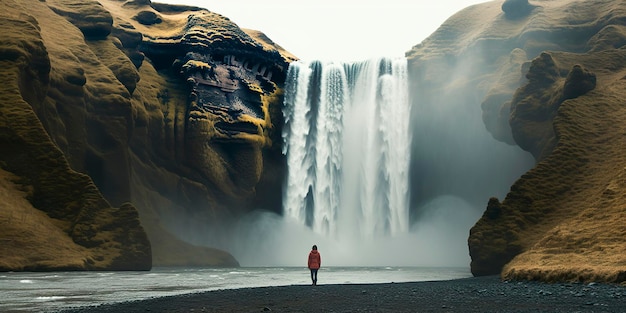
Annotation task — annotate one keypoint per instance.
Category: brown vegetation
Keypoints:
(94, 114)
(47, 205)
(564, 219)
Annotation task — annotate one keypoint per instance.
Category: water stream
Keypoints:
(347, 143)
(54, 291)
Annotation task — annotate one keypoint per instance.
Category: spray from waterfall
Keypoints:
(350, 137)
(347, 142)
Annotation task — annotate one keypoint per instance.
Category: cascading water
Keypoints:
(347, 143)
(347, 140)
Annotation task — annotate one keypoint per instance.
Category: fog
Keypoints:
(455, 164)
(439, 239)
(457, 156)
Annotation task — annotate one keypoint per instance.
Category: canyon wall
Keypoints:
(174, 109)
(549, 77)
(124, 123)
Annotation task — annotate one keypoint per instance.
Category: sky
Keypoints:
(342, 30)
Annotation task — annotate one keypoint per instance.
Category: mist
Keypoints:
(452, 152)
(439, 239)
(387, 166)
(455, 166)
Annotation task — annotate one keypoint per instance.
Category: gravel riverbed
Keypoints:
(478, 294)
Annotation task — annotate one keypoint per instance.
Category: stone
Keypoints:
(147, 18)
(578, 82)
(89, 16)
(120, 130)
(515, 9)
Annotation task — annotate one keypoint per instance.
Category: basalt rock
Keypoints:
(147, 18)
(121, 126)
(210, 135)
(578, 82)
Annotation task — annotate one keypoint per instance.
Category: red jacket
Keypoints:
(315, 260)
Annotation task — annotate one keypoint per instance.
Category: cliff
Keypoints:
(113, 102)
(549, 77)
(127, 123)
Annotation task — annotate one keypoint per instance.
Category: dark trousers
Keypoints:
(314, 276)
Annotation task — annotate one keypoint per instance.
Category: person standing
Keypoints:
(315, 261)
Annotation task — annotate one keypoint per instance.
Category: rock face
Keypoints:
(54, 218)
(552, 82)
(108, 103)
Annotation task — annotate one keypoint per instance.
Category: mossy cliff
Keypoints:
(108, 103)
(52, 216)
(549, 77)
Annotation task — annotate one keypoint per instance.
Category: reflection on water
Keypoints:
(48, 292)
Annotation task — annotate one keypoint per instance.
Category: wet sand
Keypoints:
(481, 294)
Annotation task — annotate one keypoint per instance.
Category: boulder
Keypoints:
(147, 18)
(514, 9)
(89, 16)
(578, 82)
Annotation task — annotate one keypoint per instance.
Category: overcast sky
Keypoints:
(338, 29)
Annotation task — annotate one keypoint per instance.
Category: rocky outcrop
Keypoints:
(126, 111)
(514, 9)
(550, 81)
(204, 149)
(535, 104)
(89, 16)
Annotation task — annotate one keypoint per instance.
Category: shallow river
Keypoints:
(53, 291)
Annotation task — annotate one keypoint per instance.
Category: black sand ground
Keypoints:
(483, 294)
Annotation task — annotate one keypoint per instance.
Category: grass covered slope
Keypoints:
(573, 201)
(49, 247)
(552, 82)
(54, 217)
(97, 113)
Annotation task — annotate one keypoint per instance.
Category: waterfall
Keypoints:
(350, 137)
(347, 143)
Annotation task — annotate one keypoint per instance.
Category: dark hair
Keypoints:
(314, 247)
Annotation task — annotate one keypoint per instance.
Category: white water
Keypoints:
(347, 143)
(54, 291)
